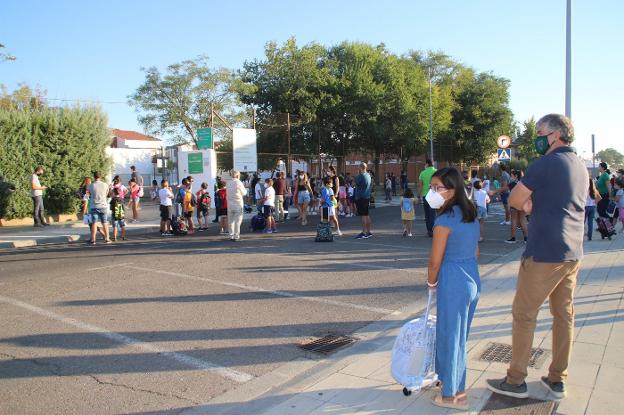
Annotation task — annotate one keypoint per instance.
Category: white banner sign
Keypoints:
(245, 151)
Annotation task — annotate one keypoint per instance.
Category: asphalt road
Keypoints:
(155, 325)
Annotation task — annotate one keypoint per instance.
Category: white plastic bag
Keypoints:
(413, 354)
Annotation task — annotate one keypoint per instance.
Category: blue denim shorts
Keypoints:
(303, 197)
(98, 215)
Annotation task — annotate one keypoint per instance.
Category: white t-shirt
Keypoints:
(259, 190)
(36, 183)
(235, 191)
(269, 194)
(166, 197)
(620, 194)
(481, 198)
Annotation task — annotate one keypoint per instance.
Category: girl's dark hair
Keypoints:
(517, 173)
(592, 189)
(603, 165)
(408, 193)
(477, 185)
(451, 178)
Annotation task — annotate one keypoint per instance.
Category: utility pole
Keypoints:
(593, 155)
(568, 85)
(253, 118)
(288, 167)
(430, 119)
(212, 118)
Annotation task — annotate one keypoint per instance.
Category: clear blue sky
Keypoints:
(93, 50)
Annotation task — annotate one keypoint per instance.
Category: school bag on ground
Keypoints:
(324, 232)
(413, 354)
(258, 222)
(178, 227)
(605, 227)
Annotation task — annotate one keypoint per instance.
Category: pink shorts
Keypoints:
(621, 214)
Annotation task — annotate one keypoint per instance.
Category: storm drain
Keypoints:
(328, 344)
(500, 352)
(504, 405)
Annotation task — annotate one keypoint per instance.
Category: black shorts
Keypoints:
(188, 214)
(362, 206)
(222, 211)
(201, 213)
(268, 211)
(166, 212)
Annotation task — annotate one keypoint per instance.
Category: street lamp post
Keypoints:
(430, 119)
(568, 87)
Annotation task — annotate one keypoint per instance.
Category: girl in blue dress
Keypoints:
(453, 271)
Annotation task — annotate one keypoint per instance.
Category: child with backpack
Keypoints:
(188, 206)
(329, 204)
(268, 206)
(619, 201)
(408, 211)
(482, 200)
(118, 214)
(221, 206)
(203, 207)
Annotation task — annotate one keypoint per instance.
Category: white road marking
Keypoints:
(186, 360)
(110, 266)
(264, 290)
(403, 247)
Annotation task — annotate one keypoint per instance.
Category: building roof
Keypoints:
(132, 135)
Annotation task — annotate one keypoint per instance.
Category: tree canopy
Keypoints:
(179, 101)
(611, 156)
(358, 97)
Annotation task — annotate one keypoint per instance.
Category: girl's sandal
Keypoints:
(459, 403)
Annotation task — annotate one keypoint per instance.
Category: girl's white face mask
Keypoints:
(435, 199)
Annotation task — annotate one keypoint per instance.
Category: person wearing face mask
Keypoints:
(36, 192)
(453, 273)
(603, 184)
(554, 192)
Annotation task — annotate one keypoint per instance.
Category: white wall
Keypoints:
(142, 144)
(123, 158)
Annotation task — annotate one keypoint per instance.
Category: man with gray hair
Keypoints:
(553, 191)
(235, 192)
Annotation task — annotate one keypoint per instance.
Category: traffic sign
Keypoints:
(504, 154)
(504, 141)
(204, 138)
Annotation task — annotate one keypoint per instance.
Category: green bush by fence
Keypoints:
(68, 142)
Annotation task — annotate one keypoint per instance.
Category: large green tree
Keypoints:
(611, 156)
(481, 113)
(526, 136)
(178, 102)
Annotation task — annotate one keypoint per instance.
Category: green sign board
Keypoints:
(195, 163)
(204, 138)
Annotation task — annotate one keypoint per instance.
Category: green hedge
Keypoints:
(68, 142)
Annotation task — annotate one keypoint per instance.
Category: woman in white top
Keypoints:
(593, 197)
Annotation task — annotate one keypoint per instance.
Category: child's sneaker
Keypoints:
(338, 233)
(273, 230)
(404, 234)
(409, 234)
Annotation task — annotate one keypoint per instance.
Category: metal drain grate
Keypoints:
(500, 352)
(504, 405)
(327, 344)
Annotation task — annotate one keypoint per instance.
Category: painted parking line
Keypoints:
(278, 293)
(235, 375)
(109, 266)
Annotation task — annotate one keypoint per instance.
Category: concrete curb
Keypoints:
(67, 239)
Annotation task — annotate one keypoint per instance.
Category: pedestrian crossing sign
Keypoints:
(504, 154)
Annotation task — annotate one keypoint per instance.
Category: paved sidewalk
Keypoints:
(360, 382)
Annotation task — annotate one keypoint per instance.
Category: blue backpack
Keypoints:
(407, 205)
